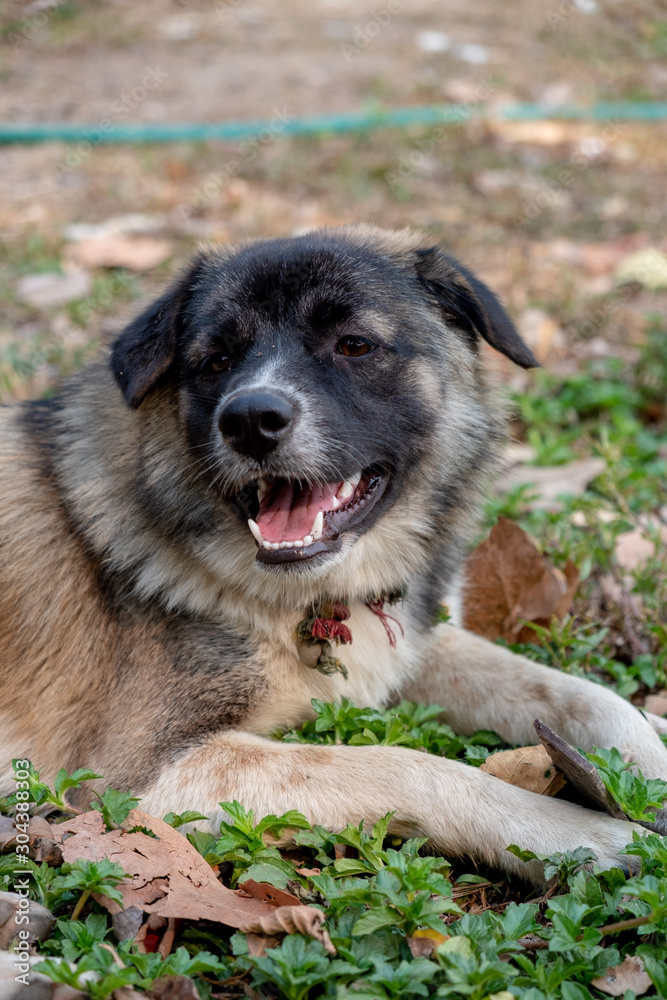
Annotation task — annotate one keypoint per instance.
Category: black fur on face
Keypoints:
(338, 330)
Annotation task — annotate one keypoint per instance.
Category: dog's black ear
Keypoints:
(470, 305)
(145, 350)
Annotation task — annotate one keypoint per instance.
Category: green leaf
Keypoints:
(179, 819)
(375, 919)
(114, 806)
(267, 872)
(63, 780)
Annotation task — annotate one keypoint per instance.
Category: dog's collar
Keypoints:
(325, 624)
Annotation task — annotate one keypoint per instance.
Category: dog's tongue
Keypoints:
(287, 512)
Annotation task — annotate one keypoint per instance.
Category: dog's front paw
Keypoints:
(606, 838)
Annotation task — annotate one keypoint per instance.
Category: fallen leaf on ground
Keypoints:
(508, 581)
(291, 920)
(633, 548)
(528, 767)
(657, 703)
(424, 942)
(629, 975)
(135, 253)
(269, 893)
(603, 258)
(50, 289)
(542, 334)
(41, 919)
(578, 770)
(551, 481)
(129, 224)
(171, 879)
(258, 943)
(173, 988)
(41, 845)
(647, 266)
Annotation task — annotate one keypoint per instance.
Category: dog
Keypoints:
(260, 495)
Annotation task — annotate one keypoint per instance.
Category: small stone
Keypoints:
(309, 653)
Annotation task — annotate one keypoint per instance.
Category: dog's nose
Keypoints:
(254, 422)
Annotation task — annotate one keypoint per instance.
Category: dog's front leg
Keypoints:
(483, 686)
(463, 811)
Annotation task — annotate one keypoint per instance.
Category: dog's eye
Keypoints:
(215, 363)
(354, 347)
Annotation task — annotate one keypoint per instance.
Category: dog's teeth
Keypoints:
(298, 544)
(308, 540)
(257, 534)
(318, 524)
(336, 503)
(262, 488)
(348, 488)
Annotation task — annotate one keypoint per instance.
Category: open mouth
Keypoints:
(297, 521)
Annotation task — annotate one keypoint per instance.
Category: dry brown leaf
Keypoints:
(508, 580)
(425, 941)
(171, 879)
(551, 481)
(37, 827)
(269, 893)
(41, 845)
(41, 919)
(291, 920)
(258, 943)
(629, 975)
(633, 548)
(174, 988)
(138, 253)
(542, 334)
(657, 703)
(578, 770)
(47, 290)
(529, 767)
(647, 266)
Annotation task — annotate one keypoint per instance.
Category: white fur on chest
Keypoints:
(376, 669)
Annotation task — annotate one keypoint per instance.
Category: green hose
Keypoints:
(362, 121)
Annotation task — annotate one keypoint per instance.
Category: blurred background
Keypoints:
(565, 219)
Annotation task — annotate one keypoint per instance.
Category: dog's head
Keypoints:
(329, 388)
